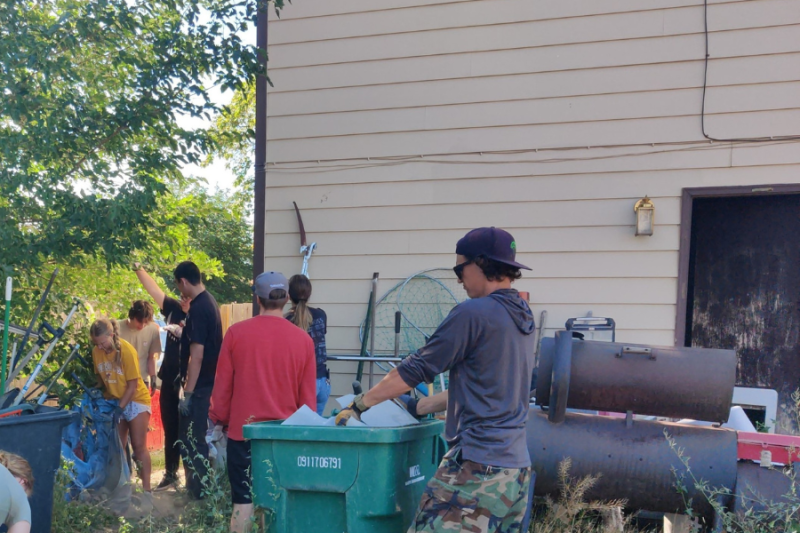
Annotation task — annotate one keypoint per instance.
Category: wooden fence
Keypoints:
(233, 313)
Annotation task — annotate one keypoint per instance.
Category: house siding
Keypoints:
(399, 125)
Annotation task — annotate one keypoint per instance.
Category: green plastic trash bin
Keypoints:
(335, 480)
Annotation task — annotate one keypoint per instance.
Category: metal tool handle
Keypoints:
(38, 310)
(374, 296)
(398, 319)
(637, 350)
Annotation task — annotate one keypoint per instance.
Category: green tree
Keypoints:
(92, 141)
(229, 143)
(226, 236)
(90, 135)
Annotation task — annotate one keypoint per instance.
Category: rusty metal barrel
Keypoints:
(671, 382)
(635, 463)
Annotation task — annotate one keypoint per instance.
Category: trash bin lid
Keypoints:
(275, 431)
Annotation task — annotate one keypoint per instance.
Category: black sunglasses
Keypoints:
(459, 269)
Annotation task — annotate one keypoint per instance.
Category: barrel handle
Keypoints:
(637, 350)
(559, 383)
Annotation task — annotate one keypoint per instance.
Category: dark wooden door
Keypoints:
(744, 290)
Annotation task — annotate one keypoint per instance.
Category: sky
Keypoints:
(217, 176)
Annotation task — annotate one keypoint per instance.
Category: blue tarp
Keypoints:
(96, 436)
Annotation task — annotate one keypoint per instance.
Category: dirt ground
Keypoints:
(166, 504)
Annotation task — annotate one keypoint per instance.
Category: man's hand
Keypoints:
(153, 386)
(354, 410)
(185, 406)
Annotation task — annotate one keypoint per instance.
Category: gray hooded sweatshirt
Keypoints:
(487, 345)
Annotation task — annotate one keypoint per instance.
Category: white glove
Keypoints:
(174, 329)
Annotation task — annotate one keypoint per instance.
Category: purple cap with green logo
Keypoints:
(493, 243)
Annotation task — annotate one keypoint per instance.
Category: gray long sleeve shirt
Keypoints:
(487, 345)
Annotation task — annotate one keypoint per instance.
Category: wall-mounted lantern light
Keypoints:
(645, 216)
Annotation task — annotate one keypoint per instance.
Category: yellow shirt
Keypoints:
(115, 378)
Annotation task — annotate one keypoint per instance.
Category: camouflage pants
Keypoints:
(467, 496)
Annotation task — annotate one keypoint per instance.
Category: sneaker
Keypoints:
(169, 481)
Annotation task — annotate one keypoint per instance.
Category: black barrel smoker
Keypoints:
(634, 457)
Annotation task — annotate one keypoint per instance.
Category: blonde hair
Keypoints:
(299, 293)
(105, 326)
(19, 468)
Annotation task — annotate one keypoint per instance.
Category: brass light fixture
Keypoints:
(645, 216)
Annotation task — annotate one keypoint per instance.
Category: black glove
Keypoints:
(118, 412)
(185, 406)
(411, 405)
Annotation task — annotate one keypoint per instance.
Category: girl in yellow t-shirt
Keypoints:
(117, 365)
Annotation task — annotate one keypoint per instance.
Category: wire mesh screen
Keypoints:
(424, 300)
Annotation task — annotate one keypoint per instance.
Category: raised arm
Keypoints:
(151, 286)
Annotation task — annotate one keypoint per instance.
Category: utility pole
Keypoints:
(259, 190)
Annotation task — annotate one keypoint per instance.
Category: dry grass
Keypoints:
(572, 513)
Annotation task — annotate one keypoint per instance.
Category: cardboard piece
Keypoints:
(304, 417)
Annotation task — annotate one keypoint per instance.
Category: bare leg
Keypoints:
(139, 426)
(123, 429)
(242, 517)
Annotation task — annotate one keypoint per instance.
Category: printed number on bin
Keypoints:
(304, 461)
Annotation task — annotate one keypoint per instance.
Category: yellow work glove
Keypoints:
(353, 410)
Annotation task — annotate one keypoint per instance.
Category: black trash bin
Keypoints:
(37, 438)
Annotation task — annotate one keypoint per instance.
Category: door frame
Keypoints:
(687, 200)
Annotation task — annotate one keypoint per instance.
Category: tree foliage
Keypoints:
(90, 136)
(225, 234)
(93, 134)
(229, 143)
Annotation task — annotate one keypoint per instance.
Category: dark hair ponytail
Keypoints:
(299, 293)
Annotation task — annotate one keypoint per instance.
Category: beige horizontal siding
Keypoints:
(546, 188)
(541, 136)
(624, 79)
(646, 51)
(651, 104)
(603, 163)
(398, 126)
(547, 265)
(442, 216)
(524, 33)
(381, 19)
(531, 240)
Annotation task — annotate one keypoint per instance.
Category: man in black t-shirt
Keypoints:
(200, 343)
(175, 313)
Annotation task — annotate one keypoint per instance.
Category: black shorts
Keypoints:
(239, 471)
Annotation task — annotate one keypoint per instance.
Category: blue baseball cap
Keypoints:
(493, 243)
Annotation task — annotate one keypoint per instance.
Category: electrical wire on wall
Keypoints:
(596, 152)
(703, 108)
(338, 165)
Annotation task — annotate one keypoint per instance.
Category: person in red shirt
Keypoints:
(267, 370)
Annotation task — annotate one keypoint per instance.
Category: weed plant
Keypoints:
(571, 513)
(758, 514)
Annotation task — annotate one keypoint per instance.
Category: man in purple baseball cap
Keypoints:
(487, 345)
